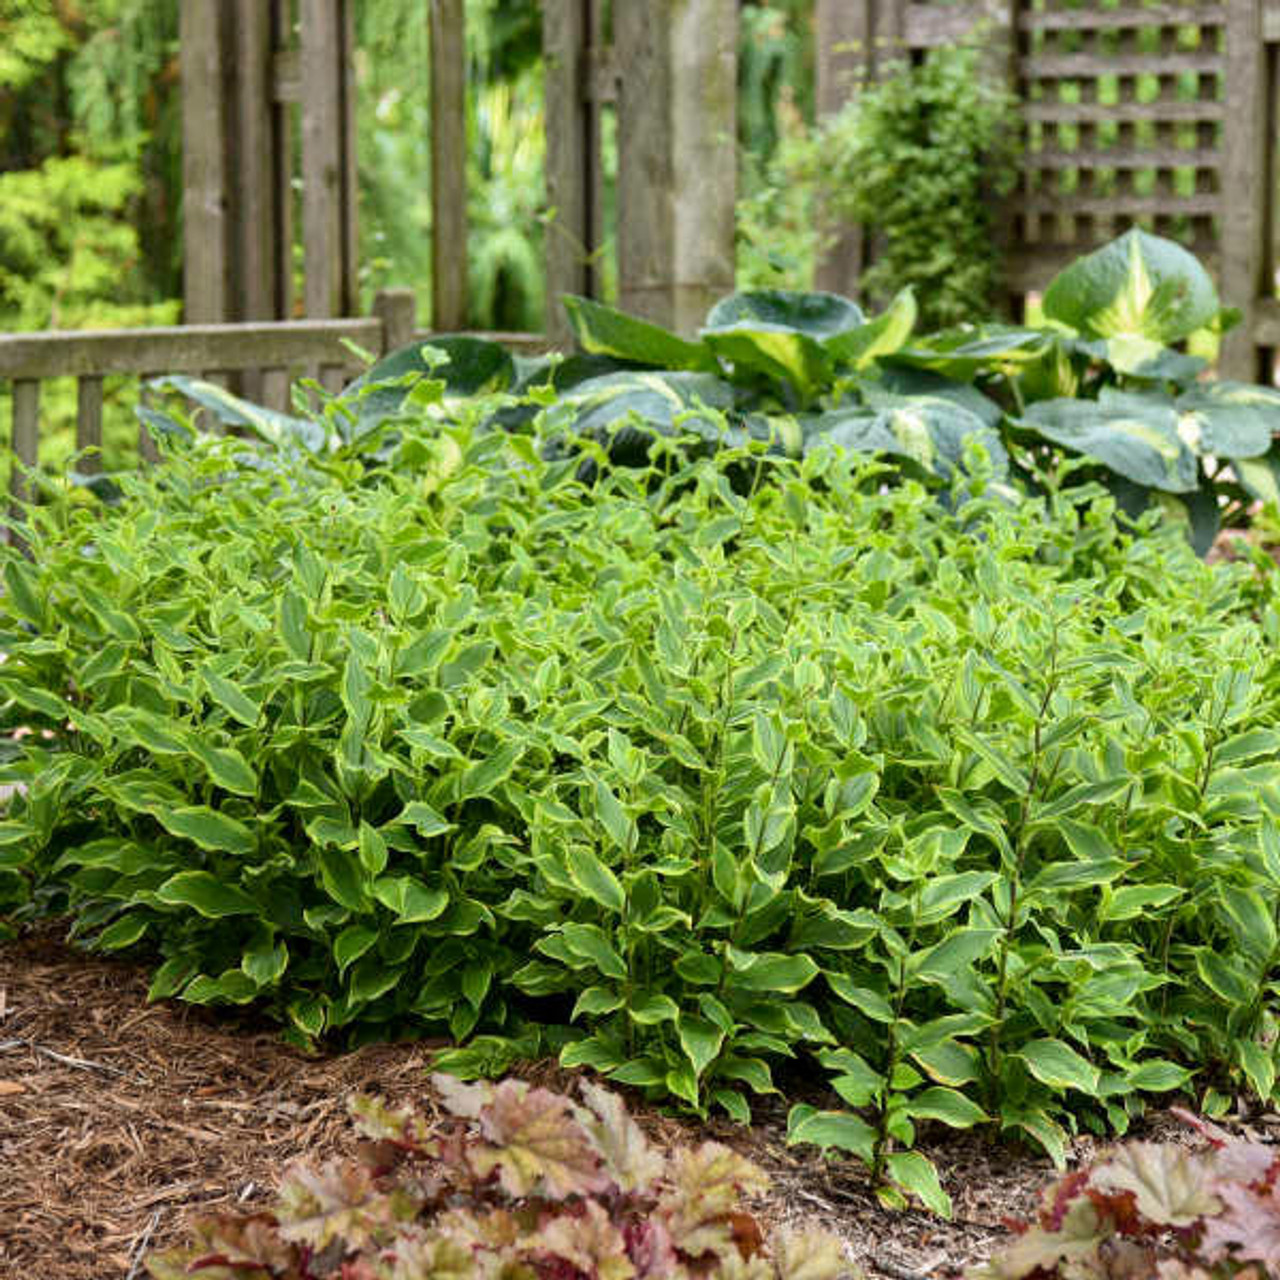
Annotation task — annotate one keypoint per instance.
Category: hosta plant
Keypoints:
(1099, 380)
(516, 1182)
(1155, 1209)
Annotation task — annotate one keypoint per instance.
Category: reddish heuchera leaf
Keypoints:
(1246, 1162)
(649, 1247)
(438, 1256)
(1172, 1187)
(537, 1145)
(379, 1122)
(814, 1255)
(1075, 1243)
(1248, 1230)
(591, 1243)
(337, 1203)
(706, 1185)
(465, 1100)
(1058, 1199)
(628, 1158)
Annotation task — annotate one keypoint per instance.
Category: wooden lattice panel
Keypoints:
(1124, 105)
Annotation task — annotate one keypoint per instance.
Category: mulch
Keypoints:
(122, 1121)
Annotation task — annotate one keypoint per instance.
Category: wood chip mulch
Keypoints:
(121, 1121)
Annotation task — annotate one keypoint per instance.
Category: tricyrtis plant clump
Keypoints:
(683, 772)
(522, 1183)
(1156, 1209)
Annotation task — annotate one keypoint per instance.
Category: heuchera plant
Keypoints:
(1156, 1209)
(520, 1183)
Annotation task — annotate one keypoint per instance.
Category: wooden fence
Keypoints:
(1161, 113)
(276, 352)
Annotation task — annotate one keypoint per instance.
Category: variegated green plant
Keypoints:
(707, 765)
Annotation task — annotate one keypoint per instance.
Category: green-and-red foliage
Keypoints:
(518, 1183)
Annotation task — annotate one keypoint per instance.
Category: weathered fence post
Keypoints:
(845, 59)
(1247, 176)
(397, 309)
(203, 31)
(677, 164)
(328, 159)
(566, 35)
(448, 165)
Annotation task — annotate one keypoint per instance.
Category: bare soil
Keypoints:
(122, 1121)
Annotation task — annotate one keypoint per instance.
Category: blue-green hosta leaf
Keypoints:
(1261, 476)
(962, 354)
(1142, 357)
(781, 334)
(822, 316)
(605, 331)
(278, 429)
(627, 409)
(1139, 285)
(884, 335)
(932, 433)
(470, 367)
(1229, 419)
(1134, 435)
(902, 382)
(778, 352)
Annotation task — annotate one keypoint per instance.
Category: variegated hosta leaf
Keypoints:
(819, 315)
(883, 336)
(605, 331)
(1140, 285)
(780, 334)
(466, 366)
(753, 347)
(932, 433)
(627, 409)
(1172, 1185)
(278, 429)
(537, 1145)
(1229, 419)
(1141, 357)
(906, 382)
(1135, 435)
(964, 353)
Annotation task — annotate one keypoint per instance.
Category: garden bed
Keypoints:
(120, 1122)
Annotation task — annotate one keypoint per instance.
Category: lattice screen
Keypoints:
(1124, 108)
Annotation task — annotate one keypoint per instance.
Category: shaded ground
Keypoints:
(121, 1121)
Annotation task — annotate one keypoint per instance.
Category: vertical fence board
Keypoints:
(148, 453)
(89, 424)
(704, 106)
(26, 436)
(282, 171)
(1246, 180)
(448, 165)
(350, 180)
(321, 158)
(204, 178)
(676, 167)
(569, 159)
(253, 213)
(844, 61)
